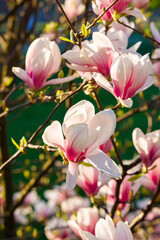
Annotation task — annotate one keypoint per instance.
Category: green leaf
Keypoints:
(66, 39)
(15, 144)
(84, 30)
(136, 177)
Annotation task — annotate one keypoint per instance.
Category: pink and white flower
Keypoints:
(148, 146)
(85, 221)
(73, 8)
(43, 58)
(129, 76)
(96, 55)
(105, 229)
(91, 182)
(84, 131)
(120, 7)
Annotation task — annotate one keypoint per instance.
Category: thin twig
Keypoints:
(135, 30)
(19, 152)
(141, 216)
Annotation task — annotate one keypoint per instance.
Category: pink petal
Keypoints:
(105, 229)
(135, 12)
(74, 226)
(101, 127)
(53, 135)
(81, 112)
(76, 140)
(103, 82)
(87, 236)
(72, 174)
(140, 142)
(61, 80)
(155, 31)
(123, 232)
(33, 49)
(19, 72)
(104, 163)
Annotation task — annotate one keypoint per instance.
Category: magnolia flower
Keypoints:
(151, 179)
(43, 58)
(73, 8)
(91, 182)
(73, 204)
(105, 229)
(85, 221)
(57, 229)
(84, 132)
(96, 55)
(148, 146)
(129, 76)
(120, 7)
(124, 192)
(42, 210)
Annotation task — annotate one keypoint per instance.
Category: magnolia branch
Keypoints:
(135, 30)
(141, 216)
(19, 152)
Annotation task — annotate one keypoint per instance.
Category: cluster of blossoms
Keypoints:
(84, 140)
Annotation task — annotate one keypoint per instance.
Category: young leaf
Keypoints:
(15, 144)
(84, 30)
(66, 39)
(136, 177)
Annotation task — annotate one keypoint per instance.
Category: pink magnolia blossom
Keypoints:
(129, 76)
(105, 229)
(151, 179)
(148, 146)
(43, 58)
(91, 182)
(73, 204)
(120, 7)
(73, 8)
(86, 220)
(57, 229)
(96, 55)
(124, 193)
(84, 131)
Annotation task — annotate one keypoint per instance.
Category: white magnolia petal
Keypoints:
(127, 103)
(53, 135)
(123, 232)
(61, 80)
(87, 235)
(74, 226)
(135, 12)
(135, 47)
(149, 82)
(81, 112)
(155, 31)
(72, 175)
(103, 82)
(105, 229)
(19, 72)
(101, 127)
(33, 49)
(104, 163)
(56, 56)
(139, 141)
(77, 137)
